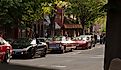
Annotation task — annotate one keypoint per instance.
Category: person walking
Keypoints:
(104, 39)
(95, 37)
(101, 39)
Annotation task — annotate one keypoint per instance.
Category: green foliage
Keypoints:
(22, 11)
(101, 21)
(17, 12)
(86, 10)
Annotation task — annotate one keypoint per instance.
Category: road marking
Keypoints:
(76, 53)
(98, 56)
(42, 65)
(58, 66)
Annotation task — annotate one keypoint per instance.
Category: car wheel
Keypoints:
(71, 50)
(31, 53)
(63, 50)
(90, 47)
(93, 45)
(7, 57)
(87, 46)
(43, 53)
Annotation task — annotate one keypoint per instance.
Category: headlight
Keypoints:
(24, 52)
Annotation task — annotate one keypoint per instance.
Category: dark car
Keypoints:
(28, 48)
(5, 51)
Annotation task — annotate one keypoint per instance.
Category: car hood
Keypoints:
(20, 46)
(18, 50)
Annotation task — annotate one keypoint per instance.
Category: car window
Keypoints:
(26, 41)
(33, 41)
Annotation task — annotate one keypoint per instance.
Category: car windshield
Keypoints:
(21, 43)
(23, 40)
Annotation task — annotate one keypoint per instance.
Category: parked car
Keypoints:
(84, 42)
(28, 48)
(61, 44)
(5, 51)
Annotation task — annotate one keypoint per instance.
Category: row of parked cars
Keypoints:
(39, 47)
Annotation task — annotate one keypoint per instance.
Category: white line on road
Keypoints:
(58, 66)
(98, 56)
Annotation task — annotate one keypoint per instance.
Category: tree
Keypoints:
(21, 11)
(86, 10)
(20, 14)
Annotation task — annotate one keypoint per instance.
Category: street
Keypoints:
(91, 59)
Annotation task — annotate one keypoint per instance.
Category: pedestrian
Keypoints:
(101, 39)
(95, 37)
(93, 41)
(104, 39)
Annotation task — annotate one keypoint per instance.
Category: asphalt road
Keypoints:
(91, 59)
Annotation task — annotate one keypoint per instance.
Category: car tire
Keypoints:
(93, 45)
(71, 50)
(63, 50)
(43, 53)
(31, 53)
(7, 57)
(90, 47)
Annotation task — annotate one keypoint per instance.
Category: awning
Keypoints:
(72, 26)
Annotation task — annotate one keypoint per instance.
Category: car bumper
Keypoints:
(19, 53)
(54, 50)
(81, 46)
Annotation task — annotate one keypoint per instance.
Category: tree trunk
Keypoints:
(113, 35)
(83, 25)
(91, 28)
(52, 26)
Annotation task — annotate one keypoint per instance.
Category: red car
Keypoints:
(5, 51)
(84, 42)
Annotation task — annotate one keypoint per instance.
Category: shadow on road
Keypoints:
(4, 66)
